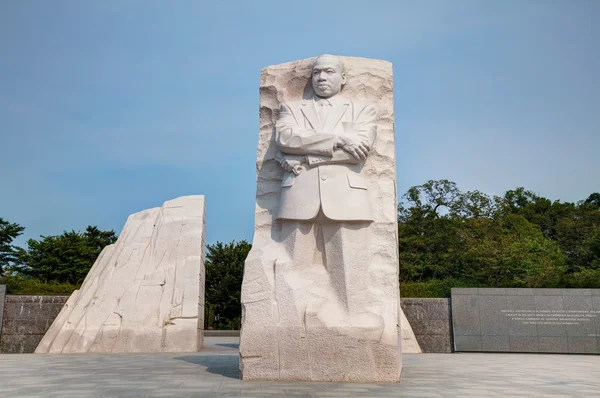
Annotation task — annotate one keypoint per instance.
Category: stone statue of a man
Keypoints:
(324, 203)
(320, 295)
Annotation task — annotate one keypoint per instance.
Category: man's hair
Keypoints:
(338, 59)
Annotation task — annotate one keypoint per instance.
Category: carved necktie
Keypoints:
(323, 108)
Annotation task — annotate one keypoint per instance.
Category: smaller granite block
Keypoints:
(143, 292)
(495, 343)
(465, 315)
(583, 345)
(510, 291)
(463, 290)
(595, 292)
(467, 343)
(524, 344)
(548, 292)
(577, 292)
(435, 343)
(492, 291)
(553, 344)
(491, 315)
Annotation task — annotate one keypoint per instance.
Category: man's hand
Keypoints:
(356, 145)
(291, 165)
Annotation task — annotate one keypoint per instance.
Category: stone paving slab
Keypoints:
(214, 373)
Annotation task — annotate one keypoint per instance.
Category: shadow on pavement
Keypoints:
(225, 365)
(229, 345)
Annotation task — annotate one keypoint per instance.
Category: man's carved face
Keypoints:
(327, 76)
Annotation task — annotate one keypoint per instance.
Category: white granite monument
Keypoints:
(320, 296)
(145, 293)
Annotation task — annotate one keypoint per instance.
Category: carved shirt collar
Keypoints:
(331, 101)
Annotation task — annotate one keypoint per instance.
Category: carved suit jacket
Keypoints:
(332, 179)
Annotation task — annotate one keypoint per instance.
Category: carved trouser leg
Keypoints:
(347, 261)
(341, 247)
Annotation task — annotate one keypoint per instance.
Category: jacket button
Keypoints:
(323, 177)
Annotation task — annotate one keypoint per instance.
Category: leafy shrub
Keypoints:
(20, 285)
(583, 279)
(439, 288)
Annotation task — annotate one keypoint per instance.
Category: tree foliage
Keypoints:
(64, 258)
(518, 240)
(224, 271)
(8, 252)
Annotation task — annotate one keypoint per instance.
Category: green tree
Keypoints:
(64, 258)
(468, 236)
(8, 252)
(224, 271)
(509, 252)
(578, 233)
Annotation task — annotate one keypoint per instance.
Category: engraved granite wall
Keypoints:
(431, 322)
(25, 321)
(526, 320)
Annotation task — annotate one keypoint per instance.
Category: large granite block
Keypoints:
(320, 295)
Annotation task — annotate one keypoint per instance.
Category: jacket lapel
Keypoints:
(340, 105)
(309, 111)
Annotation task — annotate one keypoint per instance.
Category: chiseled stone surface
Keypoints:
(145, 293)
(330, 312)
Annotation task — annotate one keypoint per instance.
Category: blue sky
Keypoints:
(108, 108)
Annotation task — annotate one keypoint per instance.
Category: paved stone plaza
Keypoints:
(214, 373)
